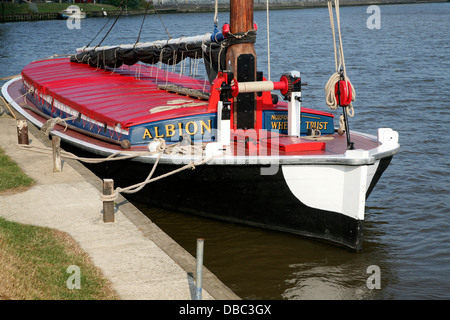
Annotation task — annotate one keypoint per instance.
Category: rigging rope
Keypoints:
(142, 24)
(216, 13)
(112, 26)
(115, 11)
(268, 39)
(339, 60)
(167, 31)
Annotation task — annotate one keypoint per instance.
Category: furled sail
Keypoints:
(166, 51)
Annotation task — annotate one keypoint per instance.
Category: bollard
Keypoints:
(108, 206)
(198, 282)
(56, 144)
(22, 131)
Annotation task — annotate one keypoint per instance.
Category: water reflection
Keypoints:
(264, 264)
(326, 282)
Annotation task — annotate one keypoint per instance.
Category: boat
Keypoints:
(235, 146)
(72, 12)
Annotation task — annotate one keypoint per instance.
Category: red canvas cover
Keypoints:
(124, 96)
(112, 97)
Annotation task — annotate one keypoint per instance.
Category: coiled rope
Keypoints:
(339, 60)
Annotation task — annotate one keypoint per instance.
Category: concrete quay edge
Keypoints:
(132, 239)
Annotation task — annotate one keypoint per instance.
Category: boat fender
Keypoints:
(125, 144)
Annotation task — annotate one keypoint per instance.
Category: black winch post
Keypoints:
(350, 145)
(225, 96)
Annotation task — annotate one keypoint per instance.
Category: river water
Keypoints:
(401, 75)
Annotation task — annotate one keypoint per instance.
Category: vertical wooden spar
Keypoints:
(242, 60)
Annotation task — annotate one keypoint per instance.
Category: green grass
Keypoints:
(34, 264)
(11, 176)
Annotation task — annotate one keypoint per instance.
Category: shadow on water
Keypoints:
(265, 264)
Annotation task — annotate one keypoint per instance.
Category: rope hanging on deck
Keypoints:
(339, 60)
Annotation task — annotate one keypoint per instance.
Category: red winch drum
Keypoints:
(343, 93)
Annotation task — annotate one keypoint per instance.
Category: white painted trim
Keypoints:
(333, 188)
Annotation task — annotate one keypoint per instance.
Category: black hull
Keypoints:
(237, 193)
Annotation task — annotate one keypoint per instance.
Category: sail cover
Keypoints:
(166, 51)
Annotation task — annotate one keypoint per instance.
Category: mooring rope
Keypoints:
(137, 187)
(174, 149)
(160, 149)
(67, 155)
(9, 77)
(48, 126)
(9, 108)
(8, 104)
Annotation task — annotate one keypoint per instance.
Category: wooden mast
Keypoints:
(242, 60)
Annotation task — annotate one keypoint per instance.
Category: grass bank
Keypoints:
(35, 262)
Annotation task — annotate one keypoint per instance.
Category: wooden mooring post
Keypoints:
(108, 206)
(22, 131)
(56, 146)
